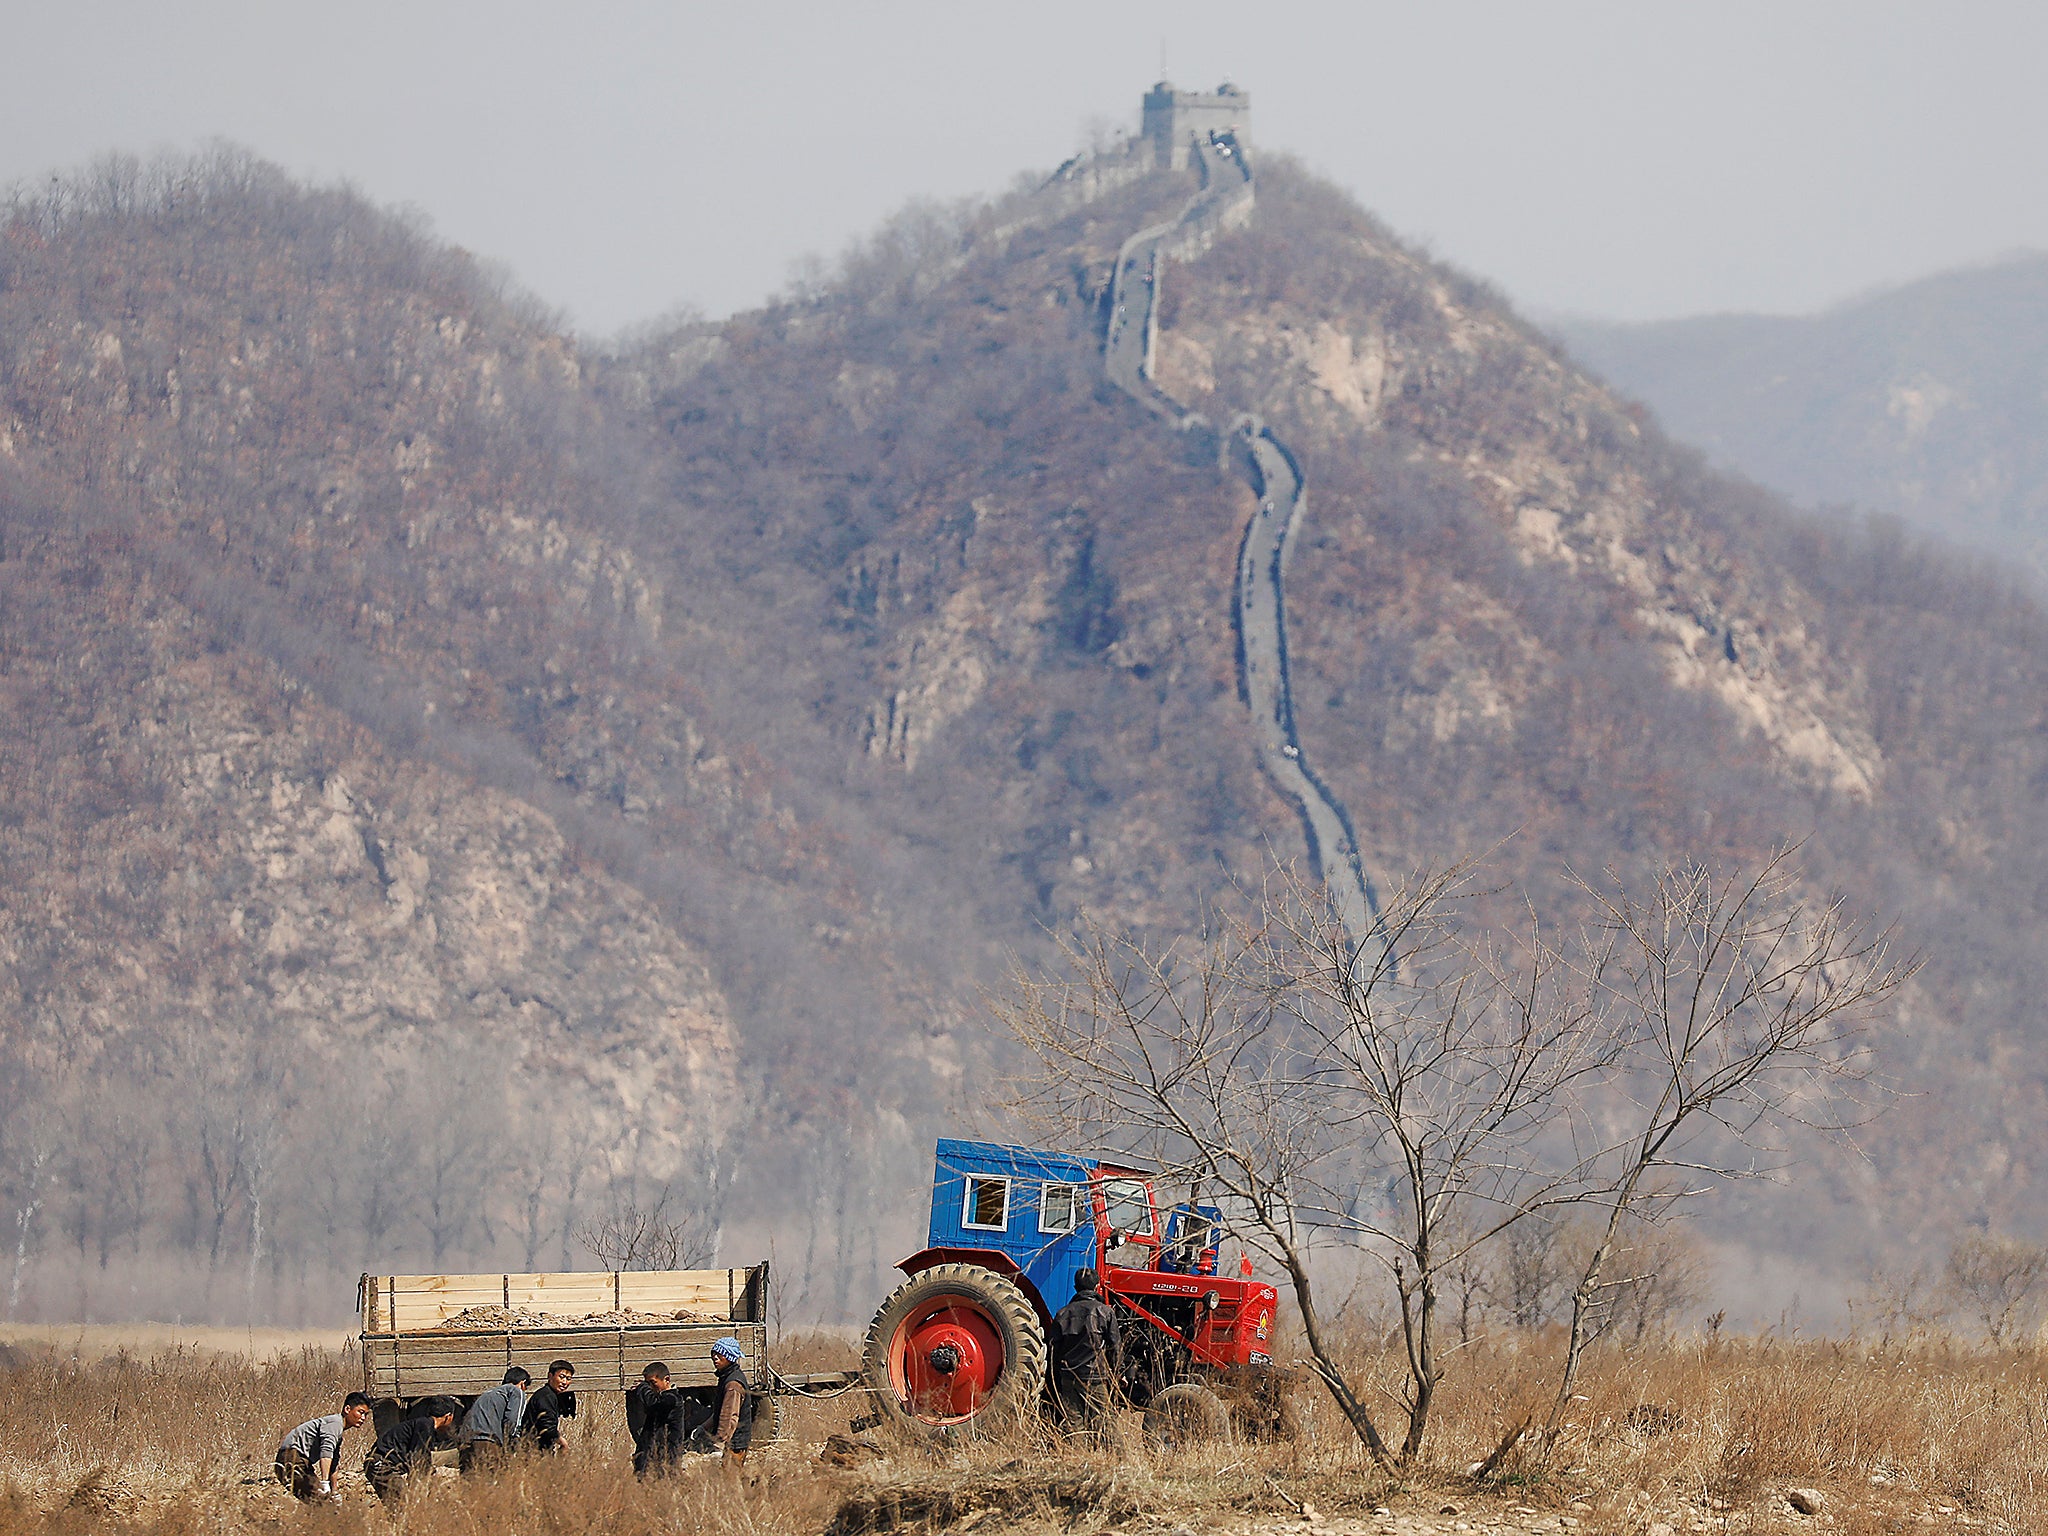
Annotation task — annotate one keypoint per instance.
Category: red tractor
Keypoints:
(962, 1342)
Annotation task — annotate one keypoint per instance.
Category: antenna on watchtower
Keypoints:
(1162, 58)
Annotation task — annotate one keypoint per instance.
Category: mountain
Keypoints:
(361, 784)
(661, 747)
(1928, 402)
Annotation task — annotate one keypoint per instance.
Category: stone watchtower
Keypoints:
(1174, 120)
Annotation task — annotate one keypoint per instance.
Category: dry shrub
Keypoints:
(818, 1349)
(1742, 1421)
(157, 1420)
(943, 1499)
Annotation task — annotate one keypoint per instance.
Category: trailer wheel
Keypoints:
(1186, 1414)
(767, 1418)
(955, 1346)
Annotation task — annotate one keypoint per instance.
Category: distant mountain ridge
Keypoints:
(1928, 401)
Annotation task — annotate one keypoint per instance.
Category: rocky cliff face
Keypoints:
(317, 669)
(1560, 468)
(192, 836)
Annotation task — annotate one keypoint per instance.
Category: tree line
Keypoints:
(233, 1168)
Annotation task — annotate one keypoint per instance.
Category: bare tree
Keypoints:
(533, 1173)
(1320, 1097)
(1741, 1005)
(1904, 1305)
(1536, 1264)
(1532, 1272)
(712, 1172)
(231, 1086)
(1656, 1272)
(31, 1143)
(1999, 1282)
(1468, 1282)
(29, 1187)
(558, 1142)
(651, 1237)
(574, 1168)
(381, 1143)
(266, 1090)
(816, 1161)
(119, 1167)
(458, 1112)
(210, 1109)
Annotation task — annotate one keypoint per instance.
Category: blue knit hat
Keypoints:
(726, 1349)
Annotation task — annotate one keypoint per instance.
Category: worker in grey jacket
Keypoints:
(306, 1459)
(491, 1427)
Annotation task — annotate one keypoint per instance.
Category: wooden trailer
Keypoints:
(417, 1343)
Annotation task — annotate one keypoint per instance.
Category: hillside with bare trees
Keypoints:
(430, 734)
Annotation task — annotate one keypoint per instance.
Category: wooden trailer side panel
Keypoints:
(707, 1292)
(464, 1363)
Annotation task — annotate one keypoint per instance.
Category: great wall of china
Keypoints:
(1258, 605)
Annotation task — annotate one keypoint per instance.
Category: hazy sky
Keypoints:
(626, 156)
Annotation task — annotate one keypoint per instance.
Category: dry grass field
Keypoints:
(96, 1341)
(1680, 1438)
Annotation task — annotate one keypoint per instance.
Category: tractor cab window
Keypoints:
(1127, 1206)
(1129, 1228)
(1059, 1208)
(988, 1204)
(1128, 1223)
(1190, 1237)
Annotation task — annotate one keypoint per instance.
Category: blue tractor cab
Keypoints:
(1032, 1208)
(1037, 1211)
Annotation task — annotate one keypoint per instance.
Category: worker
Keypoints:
(490, 1430)
(1087, 1350)
(307, 1459)
(405, 1451)
(545, 1410)
(655, 1417)
(731, 1427)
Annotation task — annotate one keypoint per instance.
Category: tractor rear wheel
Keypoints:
(955, 1346)
(1186, 1414)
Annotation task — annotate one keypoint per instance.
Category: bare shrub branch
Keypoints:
(1741, 1006)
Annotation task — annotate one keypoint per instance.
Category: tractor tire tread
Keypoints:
(1184, 1414)
(1022, 1383)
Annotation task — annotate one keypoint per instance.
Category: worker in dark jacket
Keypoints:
(731, 1427)
(545, 1410)
(1087, 1350)
(404, 1453)
(310, 1454)
(490, 1429)
(655, 1417)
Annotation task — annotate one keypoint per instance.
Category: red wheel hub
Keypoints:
(945, 1359)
